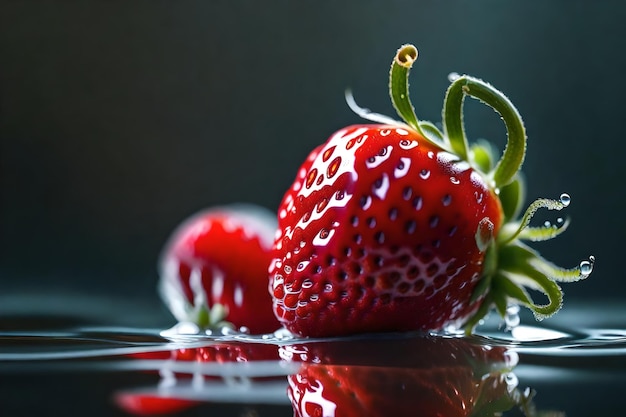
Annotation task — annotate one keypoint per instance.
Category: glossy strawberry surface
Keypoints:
(379, 233)
(214, 269)
(401, 226)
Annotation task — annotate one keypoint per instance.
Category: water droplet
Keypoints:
(402, 168)
(402, 132)
(314, 297)
(307, 283)
(511, 318)
(453, 76)
(328, 153)
(283, 334)
(547, 223)
(586, 267)
(323, 237)
(565, 199)
(408, 144)
(311, 177)
(333, 167)
(455, 180)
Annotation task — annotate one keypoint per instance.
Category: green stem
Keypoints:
(513, 156)
(399, 85)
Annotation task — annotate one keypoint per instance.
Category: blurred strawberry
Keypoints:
(213, 270)
(152, 402)
(400, 377)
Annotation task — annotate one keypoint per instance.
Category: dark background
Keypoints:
(118, 119)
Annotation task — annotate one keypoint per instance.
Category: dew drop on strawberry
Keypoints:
(387, 241)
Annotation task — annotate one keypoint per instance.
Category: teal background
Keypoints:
(118, 119)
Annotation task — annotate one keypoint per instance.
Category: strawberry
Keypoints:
(151, 404)
(430, 376)
(213, 269)
(181, 366)
(398, 226)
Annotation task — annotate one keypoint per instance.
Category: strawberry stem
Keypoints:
(399, 84)
(513, 156)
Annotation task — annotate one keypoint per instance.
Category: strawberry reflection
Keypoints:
(375, 376)
(219, 372)
(425, 376)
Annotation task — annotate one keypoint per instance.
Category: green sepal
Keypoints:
(489, 266)
(500, 300)
(482, 155)
(519, 262)
(482, 311)
(481, 288)
(512, 197)
(511, 290)
(432, 133)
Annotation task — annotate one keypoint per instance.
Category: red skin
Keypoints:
(373, 241)
(152, 403)
(230, 248)
(430, 377)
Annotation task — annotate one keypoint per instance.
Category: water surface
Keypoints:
(57, 360)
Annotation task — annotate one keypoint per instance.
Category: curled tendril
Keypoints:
(507, 235)
(547, 232)
(510, 268)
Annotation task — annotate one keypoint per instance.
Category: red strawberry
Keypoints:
(214, 269)
(151, 404)
(417, 376)
(394, 227)
(152, 401)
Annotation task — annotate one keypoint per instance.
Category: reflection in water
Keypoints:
(382, 376)
(426, 376)
(576, 361)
